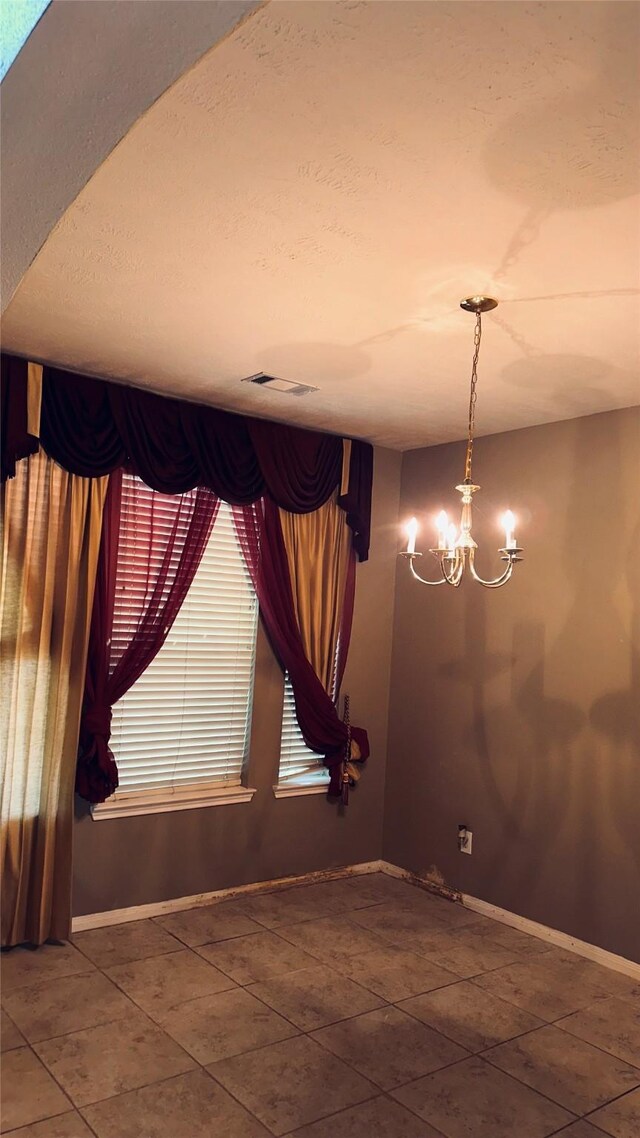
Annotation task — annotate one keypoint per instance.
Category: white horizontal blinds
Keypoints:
(186, 720)
(299, 765)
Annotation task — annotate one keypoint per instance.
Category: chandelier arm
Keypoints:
(423, 580)
(497, 581)
(455, 578)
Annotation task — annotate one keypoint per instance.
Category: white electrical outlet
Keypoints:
(465, 839)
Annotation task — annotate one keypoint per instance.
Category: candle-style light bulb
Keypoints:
(442, 526)
(452, 535)
(412, 530)
(509, 524)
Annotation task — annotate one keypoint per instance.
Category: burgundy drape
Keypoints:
(260, 535)
(168, 544)
(16, 442)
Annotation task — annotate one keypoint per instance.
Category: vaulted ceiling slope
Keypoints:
(74, 91)
(317, 193)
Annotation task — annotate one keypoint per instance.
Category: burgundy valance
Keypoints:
(91, 427)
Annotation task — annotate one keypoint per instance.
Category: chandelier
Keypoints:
(456, 548)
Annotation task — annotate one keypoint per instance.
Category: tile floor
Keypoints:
(360, 1008)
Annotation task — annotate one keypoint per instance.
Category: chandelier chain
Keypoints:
(477, 336)
(456, 547)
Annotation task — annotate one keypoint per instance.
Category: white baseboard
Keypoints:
(177, 904)
(553, 936)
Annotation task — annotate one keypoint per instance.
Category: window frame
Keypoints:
(194, 797)
(301, 784)
(187, 796)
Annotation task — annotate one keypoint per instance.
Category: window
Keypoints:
(302, 771)
(180, 734)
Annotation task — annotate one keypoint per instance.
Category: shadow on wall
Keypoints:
(615, 717)
(561, 776)
(530, 780)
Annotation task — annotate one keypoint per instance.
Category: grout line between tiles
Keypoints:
(548, 1022)
(543, 1094)
(72, 1105)
(332, 1023)
(459, 1062)
(334, 1114)
(74, 1030)
(142, 1087)
(457, 1041)
(231, 1094)
(484, 1055)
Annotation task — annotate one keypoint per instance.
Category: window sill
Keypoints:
(163, 801)
(286, 790)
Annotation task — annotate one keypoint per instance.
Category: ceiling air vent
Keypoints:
(287, 386)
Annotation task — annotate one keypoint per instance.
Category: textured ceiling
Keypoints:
(315, 196)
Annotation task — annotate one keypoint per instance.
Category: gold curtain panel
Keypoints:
(49, 548)
(318, 548)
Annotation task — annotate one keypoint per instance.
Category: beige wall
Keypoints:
(517, 711)
(133, 861)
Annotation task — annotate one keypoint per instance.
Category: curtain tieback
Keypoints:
(97, 720)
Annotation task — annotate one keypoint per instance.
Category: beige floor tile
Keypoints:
(189, 1106)
(101, 1061)
(432, 939)
(330, 897)
(247, 959)
(508, 937)
(379, 888)
(613, 983)
(394, 924)
(331, 939)
(613, 1025)
(566, 1070)
(68, 1003)
(389, 1047)
(22, 966)
(118, 944)
(229, 1023)
(455, 916)
(395, 974)
(64, 1126)
(539, 987)
(621, 1118)
(285, 907)
(472, 1099)
(292, 1083)
(315, 997)
(211, 923)
(161, 982)
(10, 1037)
(477, 955)
(378, 1118)
(471, 1017)
(28, 1091)
(600, 981)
